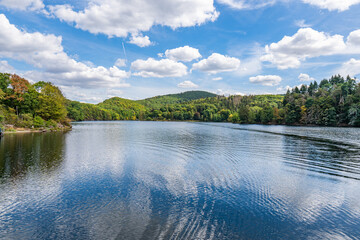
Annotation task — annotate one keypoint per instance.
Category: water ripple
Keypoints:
(150, 180)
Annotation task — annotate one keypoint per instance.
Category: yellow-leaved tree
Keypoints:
(51, 102)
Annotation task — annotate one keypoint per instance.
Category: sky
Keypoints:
(97, 49)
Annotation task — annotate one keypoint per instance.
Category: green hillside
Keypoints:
(159, 101)
(333, 102)
(125, 108)
(244, 109)
(87, 112)
(111, 109)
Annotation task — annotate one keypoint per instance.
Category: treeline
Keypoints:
(219, 109)
(332, 102)
(111, 109)
(124, 109)
(160, 101)
(27, 105)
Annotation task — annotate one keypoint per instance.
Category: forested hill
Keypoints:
(159, 101)
(117, 108)
(111, 109)
(127, 109)
(332, 102)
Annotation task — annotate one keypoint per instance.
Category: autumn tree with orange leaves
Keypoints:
(19, 87)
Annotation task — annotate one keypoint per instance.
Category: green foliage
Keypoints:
(354, 115)
(2, 94)
(38, 122)
(267, 115)
(333, 102)
(51, 103)
(51, 123)
(88, 112)
(25, 120)
(10, 116)
(161, 101)
(2, 114)
(4, 81)
(26, 105)
(124, 108)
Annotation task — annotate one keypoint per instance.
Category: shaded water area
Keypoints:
(176, 180)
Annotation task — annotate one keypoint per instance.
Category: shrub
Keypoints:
(51, 123)
(25, 120)
(10, 116)
(66, 122)
(39, 122)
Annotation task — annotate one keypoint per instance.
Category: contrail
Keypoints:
(124, 51)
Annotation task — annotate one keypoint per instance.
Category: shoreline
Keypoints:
(199, 121)
(18, 130)
(37, 130)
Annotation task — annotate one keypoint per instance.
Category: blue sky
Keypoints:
(97, 49)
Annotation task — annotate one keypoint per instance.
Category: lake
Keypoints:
(181, 180)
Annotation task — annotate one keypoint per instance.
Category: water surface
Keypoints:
(175, 180)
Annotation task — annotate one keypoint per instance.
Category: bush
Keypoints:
(39, 122)
(25, 120)
(66, 122)
(10, 117)
(50, 124)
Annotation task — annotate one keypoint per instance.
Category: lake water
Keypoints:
(179, 180)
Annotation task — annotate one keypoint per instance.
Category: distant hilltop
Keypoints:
(176, 98)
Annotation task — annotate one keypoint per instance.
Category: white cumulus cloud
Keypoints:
(120, 62)
(84, 77)
(228, 92)
(351, 67)
(5, 67)
(266, 80)
(31, 5)
(247, 4)
(114, 93)
(185, 54)
(306, 43)
(290, 51)
(217, 78)
(217, 63)
(303, 77)
(302, 24)
(121, 17)
(250, 66)
(353, 42)
(187, 84)
(158, 68)
(283, 89)
(331, 5)
(140, 40)
(46, 53)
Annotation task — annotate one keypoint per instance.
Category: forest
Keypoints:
(332, 102)
(26, 105)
